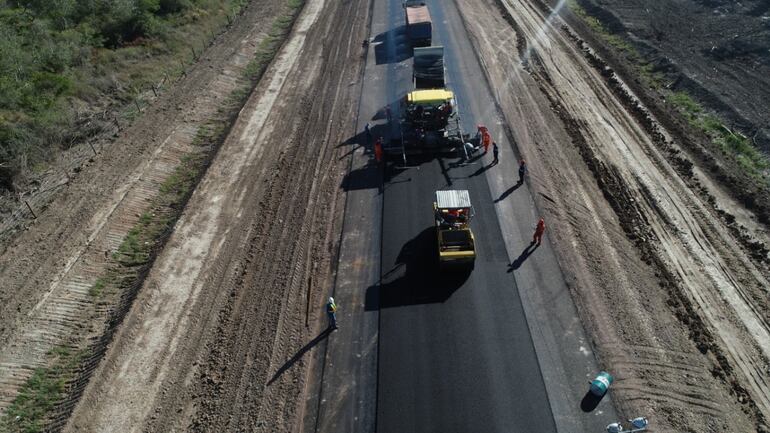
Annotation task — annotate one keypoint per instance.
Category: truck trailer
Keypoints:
(419, 28)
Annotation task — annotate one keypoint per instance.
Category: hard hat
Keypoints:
(331, 300)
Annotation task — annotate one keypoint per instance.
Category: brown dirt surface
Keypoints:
(674, 299)
(215, 339)
(731, 87)
(48, 269)
(673, 304)
(717, 50)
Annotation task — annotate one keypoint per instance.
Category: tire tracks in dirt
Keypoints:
(605, 134)
(669, 207)
(236, 347)
(48, 273)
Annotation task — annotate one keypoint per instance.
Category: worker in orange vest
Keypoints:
(485, 139)
(539, 230)
(378, 150)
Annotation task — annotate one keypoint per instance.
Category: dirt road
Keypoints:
(657, 271)
(209, 344)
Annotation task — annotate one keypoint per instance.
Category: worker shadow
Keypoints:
(415, 277)
(300, 353)
(366, 177)
(590, 402)
(480, 170)
(365, 140)
(392, 46)
(516, 264)
(507, 192)
(382, 113)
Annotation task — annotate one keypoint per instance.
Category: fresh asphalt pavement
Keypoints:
(425, 350)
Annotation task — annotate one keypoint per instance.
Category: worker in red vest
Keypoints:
(539, 230)
(484, 136)
(378, 150)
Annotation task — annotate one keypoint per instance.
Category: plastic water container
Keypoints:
(601, 384)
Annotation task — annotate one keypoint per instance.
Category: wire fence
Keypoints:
(19, 208)
(29, 205)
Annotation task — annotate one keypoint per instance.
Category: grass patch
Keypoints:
(43, 390)
(599, 28)
(137, 246)
(62, 62)
(269, 46)
(645, 69)
(732, 144)
(686, 105)
(98, 288)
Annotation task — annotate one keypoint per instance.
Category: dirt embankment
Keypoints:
(672, 304)
(681, 43)
(216, 341)
(715, 50)
(50, 296)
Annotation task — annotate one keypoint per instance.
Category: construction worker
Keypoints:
(539, 230)
(368, 130)
(495, 153)
(378, 150)
(331, 311)
(485, 139)
(522, 171)
(469, 149)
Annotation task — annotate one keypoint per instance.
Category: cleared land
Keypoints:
(669, 289)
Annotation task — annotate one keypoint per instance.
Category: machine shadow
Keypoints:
(590, 402)
(370, 175)
(400, 50)
(416, 277)
(380, 175)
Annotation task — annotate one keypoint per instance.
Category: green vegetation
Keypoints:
(98, 288)
(47, 386)
(136, 248)
(596, 25)
(269, 46)
(63, 62)
(739, 147)
(646, 70)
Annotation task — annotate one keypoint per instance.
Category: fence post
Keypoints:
(30, 209)
(307, 307)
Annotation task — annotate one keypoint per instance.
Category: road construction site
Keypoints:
(638, 274)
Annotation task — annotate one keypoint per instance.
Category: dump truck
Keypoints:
(428, 70)
(453, 212)
(419, 29)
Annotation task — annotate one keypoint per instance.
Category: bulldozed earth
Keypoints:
(666, 265)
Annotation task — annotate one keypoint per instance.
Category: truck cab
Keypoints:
(456, 244)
